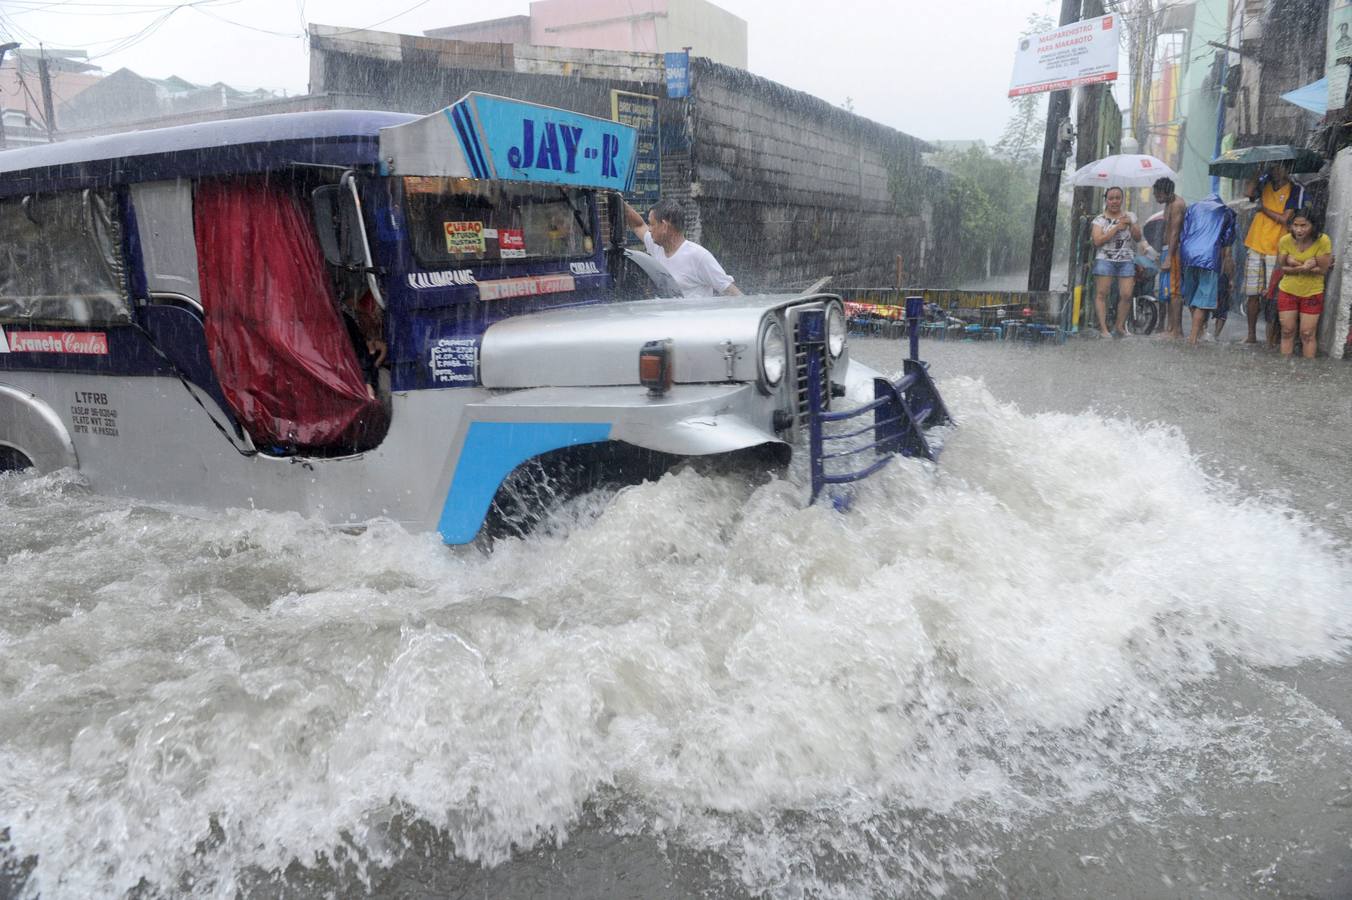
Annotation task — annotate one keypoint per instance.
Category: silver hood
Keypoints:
(714, 340)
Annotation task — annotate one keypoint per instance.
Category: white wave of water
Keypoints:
(828, 704)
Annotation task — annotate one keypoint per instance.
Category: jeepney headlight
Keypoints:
(774, 355)
(835, 330)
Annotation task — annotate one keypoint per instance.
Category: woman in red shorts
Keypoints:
(1303, 255)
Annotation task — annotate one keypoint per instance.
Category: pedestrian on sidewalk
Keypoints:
(1171, 266)
(1208, 229)
(1304, 256)
(1115, 234)
(1278, 197)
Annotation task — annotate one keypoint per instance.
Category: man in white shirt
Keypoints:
(695, 270)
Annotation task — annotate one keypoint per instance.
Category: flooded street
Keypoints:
(1098, 650)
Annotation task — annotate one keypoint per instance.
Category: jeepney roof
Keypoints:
(484, 136)
(251, 144)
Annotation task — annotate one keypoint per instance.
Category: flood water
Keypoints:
(1099, 650)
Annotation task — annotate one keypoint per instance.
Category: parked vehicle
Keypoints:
(194, 315)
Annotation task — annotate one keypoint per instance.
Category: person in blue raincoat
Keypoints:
(1208, 228)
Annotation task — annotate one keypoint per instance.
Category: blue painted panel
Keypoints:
(177, 332)
(414, 333)
(515, 141)
(419, 317)
(492, 450)
(677, 65)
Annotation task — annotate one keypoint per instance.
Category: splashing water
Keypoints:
(824, 704)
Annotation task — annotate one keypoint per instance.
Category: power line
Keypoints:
(165, 12)
(14, 31)
(29, 6)
(220, 18)
(37, 107)
(132, 40)
(382, 21)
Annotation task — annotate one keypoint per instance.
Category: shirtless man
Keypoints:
(1171, 265)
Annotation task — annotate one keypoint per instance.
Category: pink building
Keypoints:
(642, 26)
(21, 89)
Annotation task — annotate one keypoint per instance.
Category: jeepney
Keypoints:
(195, 315)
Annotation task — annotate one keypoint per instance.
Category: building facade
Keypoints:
(639, 26)
(22, 109)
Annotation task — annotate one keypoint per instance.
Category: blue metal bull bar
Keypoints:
(902, 410)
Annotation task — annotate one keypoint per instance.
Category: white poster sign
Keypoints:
(1339, 47)
(1082, 52)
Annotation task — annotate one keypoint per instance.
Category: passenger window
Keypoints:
(61, 260)
(457, 221)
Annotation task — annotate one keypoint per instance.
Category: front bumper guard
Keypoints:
(903, 411)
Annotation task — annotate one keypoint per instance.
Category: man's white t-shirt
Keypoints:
(695, 270)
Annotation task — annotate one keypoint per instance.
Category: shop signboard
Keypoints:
(639, 111)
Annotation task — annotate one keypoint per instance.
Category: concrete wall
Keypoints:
(791, 188)
(508, 30)
(1333, 327)
(1283, 43)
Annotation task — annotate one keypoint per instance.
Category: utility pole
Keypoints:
(1088, 124)
(4, 48)
(1222, 100)
(45, 76)
(1049, 184)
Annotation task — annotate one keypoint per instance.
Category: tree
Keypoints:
(996, 197)
(1022, 138)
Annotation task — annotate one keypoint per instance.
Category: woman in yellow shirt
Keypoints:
(1303, 256)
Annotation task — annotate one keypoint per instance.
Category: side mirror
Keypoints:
(615, 215)
(337, 224)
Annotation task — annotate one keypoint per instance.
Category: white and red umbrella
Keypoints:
(1124, 170)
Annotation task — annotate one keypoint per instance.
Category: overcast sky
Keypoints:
(932, 68)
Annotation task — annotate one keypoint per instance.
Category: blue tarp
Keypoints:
(1208, 225)
(1313, 96)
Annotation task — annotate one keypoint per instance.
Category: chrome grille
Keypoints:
(800, 385)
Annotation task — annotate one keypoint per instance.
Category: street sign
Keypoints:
(1082, 52)
(678, 73)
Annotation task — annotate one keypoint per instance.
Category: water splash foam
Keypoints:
(828, 704)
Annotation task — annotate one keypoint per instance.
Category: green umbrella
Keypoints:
(1242, 162)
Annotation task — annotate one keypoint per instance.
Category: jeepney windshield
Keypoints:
(457, 220)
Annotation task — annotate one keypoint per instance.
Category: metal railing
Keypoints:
(902, 410)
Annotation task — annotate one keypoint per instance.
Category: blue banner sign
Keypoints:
(678, 73)
(515, 141)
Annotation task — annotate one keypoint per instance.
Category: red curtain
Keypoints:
(279, 346)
